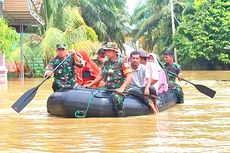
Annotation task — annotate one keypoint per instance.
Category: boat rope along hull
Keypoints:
(65, 104)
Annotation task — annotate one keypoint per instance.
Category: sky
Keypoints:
(131, 5)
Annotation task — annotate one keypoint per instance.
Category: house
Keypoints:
(21, 14)
(24, 12)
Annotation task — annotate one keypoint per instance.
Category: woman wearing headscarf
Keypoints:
(163, 80)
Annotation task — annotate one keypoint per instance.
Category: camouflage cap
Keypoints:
(169, 52)
(111, 46)
(61, 46)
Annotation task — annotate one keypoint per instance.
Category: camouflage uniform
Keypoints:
(100, 54)
(114, 76)
(99, 63)
(175, 68)
(64, 76)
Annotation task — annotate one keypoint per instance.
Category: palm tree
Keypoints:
(64, 24)
(153, 23)
(66, 21)
(107, 18)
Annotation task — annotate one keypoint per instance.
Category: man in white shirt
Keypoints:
(141, 78)
(141, 81)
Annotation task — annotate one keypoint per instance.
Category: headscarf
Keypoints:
(155, 62)
(163, 79)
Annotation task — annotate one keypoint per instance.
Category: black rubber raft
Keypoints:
(84, 102)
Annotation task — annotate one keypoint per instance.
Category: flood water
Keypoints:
(201, 124)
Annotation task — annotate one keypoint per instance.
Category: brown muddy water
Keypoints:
(201, 124)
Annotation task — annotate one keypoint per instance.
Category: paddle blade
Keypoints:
(205, 90)
(24, 99)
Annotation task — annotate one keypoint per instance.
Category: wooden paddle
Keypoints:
(153, 106)
(29, 95)
(203, 89)
(133, 94)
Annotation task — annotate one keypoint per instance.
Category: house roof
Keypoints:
(24, 12)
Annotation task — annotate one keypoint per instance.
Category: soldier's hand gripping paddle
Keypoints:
(29, 95)
(203, 89)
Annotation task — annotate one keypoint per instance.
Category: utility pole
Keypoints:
(173, 26)
(21, 52)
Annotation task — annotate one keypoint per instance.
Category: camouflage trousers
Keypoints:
(179, 93)
(57, 87)
(118, 105)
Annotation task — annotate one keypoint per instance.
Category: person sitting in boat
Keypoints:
(171, 66)
(162, 83)
(117, 75)
(141, 81)
(152, 70)
(64, 76)
(99, 59)
(88, 73)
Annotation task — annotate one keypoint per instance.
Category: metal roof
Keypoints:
(22, 11)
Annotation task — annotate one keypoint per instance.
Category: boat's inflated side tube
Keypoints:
(98, 103)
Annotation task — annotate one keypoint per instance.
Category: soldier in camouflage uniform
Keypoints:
(175, 68)
(117, 75)
(100, 58)
(64, 76)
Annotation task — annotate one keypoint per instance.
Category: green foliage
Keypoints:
(33, 58)
(8, 37)
(91, 34)
(64, 24)
(107, 18)
(153, 22)
(203, 38)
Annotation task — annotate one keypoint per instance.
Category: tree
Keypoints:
(153, 22)
(107, 18)
(203, 37)
(8, 37)
(63, 24)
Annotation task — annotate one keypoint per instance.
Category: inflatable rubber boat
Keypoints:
(85, 102)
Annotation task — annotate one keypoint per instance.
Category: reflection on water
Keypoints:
(201, 124)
